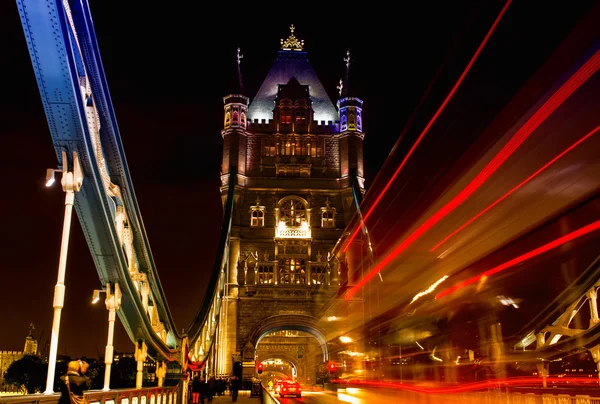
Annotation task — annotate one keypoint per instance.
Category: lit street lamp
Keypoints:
(71, 183)
(113, 303)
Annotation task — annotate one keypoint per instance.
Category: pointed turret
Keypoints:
(351, 134)
(31, 343)
(234, 124)
(292, 61)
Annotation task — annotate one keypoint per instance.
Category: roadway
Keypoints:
(383, 395)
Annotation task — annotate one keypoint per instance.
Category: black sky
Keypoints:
(168, 67)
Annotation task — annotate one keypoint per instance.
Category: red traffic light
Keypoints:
(259, 367)
(332, 367)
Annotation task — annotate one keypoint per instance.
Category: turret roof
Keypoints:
(292, 61)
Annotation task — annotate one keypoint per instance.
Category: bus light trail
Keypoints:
(568, 88)
(533, 253)
(431, 122)
(506, 195)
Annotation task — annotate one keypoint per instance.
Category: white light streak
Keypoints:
(429, 289)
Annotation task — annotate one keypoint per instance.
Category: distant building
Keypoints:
(8, 357)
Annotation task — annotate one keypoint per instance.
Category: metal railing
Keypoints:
(148, 395)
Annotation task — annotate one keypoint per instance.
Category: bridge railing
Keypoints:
(147, 395)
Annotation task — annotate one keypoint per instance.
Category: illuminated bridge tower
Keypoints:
(298, 162)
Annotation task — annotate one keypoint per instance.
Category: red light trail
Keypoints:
(553, 244)
(474, 386)
(506, 195)
(572, 84)
(431, 122)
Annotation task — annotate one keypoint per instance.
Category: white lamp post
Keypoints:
(113, 303)
(71, 183)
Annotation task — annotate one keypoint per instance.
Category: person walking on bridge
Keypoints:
(234, 386)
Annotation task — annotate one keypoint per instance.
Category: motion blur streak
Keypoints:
(476, 386)
(559, 241)
(568, 88)
(532, 176)
(431, 122)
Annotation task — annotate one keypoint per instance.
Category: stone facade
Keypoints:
(292, 188)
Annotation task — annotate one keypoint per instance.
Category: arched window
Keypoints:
(344, 123)
(258, 218)
(286, 116)
(352, 120)
(328, 215)
(257, 214)
(285, 112)
(227, 119)
(292, 212)
(300, 116)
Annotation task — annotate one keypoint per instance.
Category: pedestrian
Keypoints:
(212, 384)
(234, 386)
(73, 383)
(203, 391)
(196, 386)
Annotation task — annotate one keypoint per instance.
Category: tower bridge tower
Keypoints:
(298, 165)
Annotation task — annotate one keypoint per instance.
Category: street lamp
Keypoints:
(71, 183)
(113, 303)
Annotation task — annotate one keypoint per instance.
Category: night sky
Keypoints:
(168, 66)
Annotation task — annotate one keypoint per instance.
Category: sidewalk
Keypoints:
(243, 398)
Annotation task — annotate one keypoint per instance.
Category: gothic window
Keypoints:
(358, 122)
(235, 118)
(292, 271)
(344, 123)
(328, 215)
(270, 147)
(292, 212)
(352, 120)
(227, 119)
(257, 215)
(287, 148)
(301, 116)
(316, 149)
(243, 121)
(265, 275)
(286, 115)
(258, 219)
(318, 274)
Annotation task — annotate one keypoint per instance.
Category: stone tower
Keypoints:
(298, 166)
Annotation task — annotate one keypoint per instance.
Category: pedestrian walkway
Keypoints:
(243, 398)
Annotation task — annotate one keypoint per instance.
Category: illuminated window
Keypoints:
(315, 149)
(235, 120)
(257, 214)
(286, 115)
(292, 271)
(265, 274)
(227, 119)
(292, 212)
(318, 274)
(328, 215)
(301, 116)
(344, 123)
(270, 147)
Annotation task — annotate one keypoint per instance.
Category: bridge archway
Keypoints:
(293, 361)
(296, 322)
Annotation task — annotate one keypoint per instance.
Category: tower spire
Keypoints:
(239, 57)
(344, 86)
